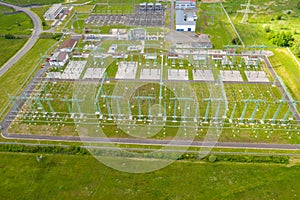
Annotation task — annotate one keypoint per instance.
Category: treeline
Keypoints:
(55, 36)
(77, 150)
(10, 36)
(72, 150)
(239, 158)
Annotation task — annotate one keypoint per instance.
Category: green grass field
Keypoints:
(10, 48)
(13, 78)
(83, 177)
(265, 14)
(213, 21)
(18, 23)
(40, 11)
(28, 2)
(286, 67)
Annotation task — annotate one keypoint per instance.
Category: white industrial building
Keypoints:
(59, 59)
(53, 11)
(185, 20)
(185, 4)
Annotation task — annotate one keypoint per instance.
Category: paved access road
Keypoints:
(88, 140)
(29, 44)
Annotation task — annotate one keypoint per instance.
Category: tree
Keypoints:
(297, 48)
(279, 17)
(44, 23)
(9, 36)
(267, 29)
(283, 39)
(298, 5)
(236, 41)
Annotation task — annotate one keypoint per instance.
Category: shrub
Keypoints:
(9, 36)
(236, 41)
(267, 29)
(282, 39)
(297, 49)
(279, 17)
(212, 158)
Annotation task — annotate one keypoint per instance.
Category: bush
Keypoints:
(9, 36)
(282, 39)
(236, 41)
(297, 49)
(212, 158)
(267, 29)
(279, 17)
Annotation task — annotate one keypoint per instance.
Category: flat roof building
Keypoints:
(59, 59)
(53, 12)
(68, 45)
(185, 4)
(185, 20)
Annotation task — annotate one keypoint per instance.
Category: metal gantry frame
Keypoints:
(148, 98)
(147, 46)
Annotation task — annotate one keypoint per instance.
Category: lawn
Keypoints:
(83, 177)
(213, 21)
(287, 68)
(10, 47)
(18, 23)
(28, 2)
(40, 11)
(265, 14)
(14, 77)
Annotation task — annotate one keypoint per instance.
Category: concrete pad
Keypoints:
(203, 75)
(150, 74)
(94, 73)
(257, 76)
(127, 70)
(232, 76)
(178, 74)
(73, 70)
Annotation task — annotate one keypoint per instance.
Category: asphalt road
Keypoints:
(172, 15)
(155, 142)
(29, 44)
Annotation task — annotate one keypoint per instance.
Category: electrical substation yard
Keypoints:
(150, 79)
(163, 93)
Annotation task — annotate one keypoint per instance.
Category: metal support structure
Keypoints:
(241, 119)
(255, 109)
(106, 97)
(148, 98)
(265, 114)
(155, 46)
(233, 54)
(232, 113)
(186, 100)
